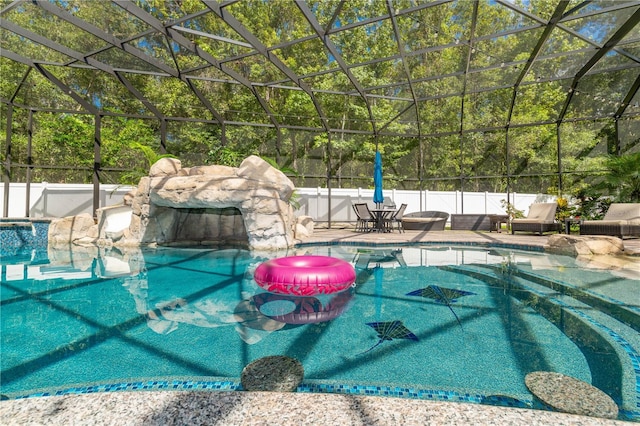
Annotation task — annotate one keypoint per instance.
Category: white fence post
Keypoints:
(486, 202)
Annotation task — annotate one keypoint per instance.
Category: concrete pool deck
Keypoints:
(273, 408)
(267, 408)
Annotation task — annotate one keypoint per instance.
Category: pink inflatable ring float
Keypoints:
(305, 275)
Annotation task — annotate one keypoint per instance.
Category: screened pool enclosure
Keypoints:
(486, 95)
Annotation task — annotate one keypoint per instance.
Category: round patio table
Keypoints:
(380, 216)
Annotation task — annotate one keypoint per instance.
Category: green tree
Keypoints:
(622, 179)
(142, 168)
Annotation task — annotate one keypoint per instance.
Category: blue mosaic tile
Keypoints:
(16, 234)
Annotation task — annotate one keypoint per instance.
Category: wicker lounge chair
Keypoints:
(541, 218)
(621, 220)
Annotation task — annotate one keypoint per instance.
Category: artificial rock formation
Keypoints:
(68, 229)
(197, 205)
(214, 204)
(584, 245)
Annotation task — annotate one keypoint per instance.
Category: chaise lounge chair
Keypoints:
(541, 218)
(621, 220)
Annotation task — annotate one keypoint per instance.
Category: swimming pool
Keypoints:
(93, 320)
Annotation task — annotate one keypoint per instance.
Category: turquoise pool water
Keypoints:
(193, 318)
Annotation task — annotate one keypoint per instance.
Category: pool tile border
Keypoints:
(310, 387)
(304, 387)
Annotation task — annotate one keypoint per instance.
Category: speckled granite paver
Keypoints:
(273, 373)
(570, 395)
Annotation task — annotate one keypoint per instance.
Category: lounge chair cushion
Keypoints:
(627, 212)
(540, 213)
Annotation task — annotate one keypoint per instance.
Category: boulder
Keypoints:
(584, 245)
(165, 167)
(304, 227)
(255, 168)
(214, 170)
(67, 229)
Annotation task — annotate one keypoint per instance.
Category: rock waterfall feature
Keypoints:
(202, 205)
(213, 204)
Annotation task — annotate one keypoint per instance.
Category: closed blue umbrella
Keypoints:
(378, 198)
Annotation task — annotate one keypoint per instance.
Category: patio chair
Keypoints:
(366, 257)
(396, 218)
(389, 203)
(364, 217)
(541, 218)
(621, 220)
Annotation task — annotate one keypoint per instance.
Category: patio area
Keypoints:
(345, 234)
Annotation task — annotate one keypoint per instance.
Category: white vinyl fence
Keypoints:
(316, 202)
(60, 200)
